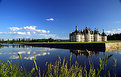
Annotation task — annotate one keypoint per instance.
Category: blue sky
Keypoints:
(57, 18)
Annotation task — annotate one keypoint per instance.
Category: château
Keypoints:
(87, 35)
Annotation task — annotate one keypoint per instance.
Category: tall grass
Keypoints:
(62, 70)
(59, 69)
(11, 70)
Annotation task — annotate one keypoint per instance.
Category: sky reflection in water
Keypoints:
(50, 55)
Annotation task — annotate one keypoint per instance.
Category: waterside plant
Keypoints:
(61, 68)
(11, 70)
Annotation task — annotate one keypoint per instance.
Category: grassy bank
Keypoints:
(59, 69)
(111, 41)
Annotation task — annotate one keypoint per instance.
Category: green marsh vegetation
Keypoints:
(61, 68)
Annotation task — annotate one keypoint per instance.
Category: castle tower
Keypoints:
(87, 35)
(77, 35)
(96, 35)
(104, 37)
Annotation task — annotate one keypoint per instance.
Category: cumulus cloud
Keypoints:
(29, 28)
(50, 19)
(14, 28)
(113, 31)
(28, 32)
(47, 35)
(16, 33)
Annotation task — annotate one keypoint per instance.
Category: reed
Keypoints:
(59, 69)
(62, 70)
(10, 70)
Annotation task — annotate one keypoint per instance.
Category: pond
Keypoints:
(50, 55)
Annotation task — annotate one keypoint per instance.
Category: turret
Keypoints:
(104, 37)
(76, 29)
(103, 33)
(96, 35)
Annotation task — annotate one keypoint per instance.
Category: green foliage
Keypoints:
(26, 40)
(11, 70)
(35, 63)
(59, 69)
(114, 37)
(109, 74)
(102, 64)
(19, 56)
(114, 62)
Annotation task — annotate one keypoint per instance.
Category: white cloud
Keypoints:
(31, 57)
(22, 52)
(50, 19)
(41, 31)
(64, 38)
(29, 28)
(34, 32)
(16, 33)
(27, 53)
(14, 57)
(114, 31)
(14, 28)
(28, 32)
(47, 35)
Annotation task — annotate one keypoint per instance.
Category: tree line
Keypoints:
(110, 37)
(114, 37)
(26, 40)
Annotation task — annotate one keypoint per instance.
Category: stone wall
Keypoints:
(76, 46)
(112, 46)
(104, 47)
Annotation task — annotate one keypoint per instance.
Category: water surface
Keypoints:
(50, 55)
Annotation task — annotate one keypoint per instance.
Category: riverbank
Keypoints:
(112, 41)
(91, 46)
(113, 46)
(75, 46)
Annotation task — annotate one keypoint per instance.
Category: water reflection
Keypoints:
(31, 56)
(14, 46)
(50, 55)
(84, 52)
(27, 52)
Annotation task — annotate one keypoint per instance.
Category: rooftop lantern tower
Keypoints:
(76, 28)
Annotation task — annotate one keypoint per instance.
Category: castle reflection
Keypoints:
(75, 52)
(84, 52)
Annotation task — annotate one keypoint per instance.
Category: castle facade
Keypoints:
(87, 35)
